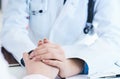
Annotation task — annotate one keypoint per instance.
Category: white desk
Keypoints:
(19, 73)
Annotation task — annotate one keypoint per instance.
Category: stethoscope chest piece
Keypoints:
(89, 29)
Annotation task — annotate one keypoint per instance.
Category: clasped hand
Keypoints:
(50, 54)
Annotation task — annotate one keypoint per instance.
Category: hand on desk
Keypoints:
(53, 55)
(38, 67)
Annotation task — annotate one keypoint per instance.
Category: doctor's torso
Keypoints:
(59, 22)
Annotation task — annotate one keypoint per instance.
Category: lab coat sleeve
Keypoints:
(15, 37)
(101, 54)
(35, 76)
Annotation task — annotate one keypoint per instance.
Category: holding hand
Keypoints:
(38, 67)
(50, 54)
(53, 55)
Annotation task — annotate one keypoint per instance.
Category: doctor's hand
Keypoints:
(53, 55)
(38, 67)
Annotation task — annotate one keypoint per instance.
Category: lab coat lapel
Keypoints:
(69, 13)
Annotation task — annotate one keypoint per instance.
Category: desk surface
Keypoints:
(19, 73)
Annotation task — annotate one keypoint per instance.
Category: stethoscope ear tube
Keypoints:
(89, 27)
(64, 1)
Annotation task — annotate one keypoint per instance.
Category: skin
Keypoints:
(38, 67)
(53, 55)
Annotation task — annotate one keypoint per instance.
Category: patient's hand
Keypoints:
(38, 67)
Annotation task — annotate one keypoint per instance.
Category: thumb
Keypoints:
(26, 58)
(40, 43)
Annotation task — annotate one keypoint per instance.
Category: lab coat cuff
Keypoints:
(85, 69)
(35, 76)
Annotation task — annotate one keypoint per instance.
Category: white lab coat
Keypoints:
(64, 25)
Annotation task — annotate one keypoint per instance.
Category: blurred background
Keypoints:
(0, 14)
(3, 3)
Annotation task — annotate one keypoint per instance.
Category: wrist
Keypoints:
(72, 67)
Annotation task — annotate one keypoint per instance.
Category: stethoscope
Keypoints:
(88, 29)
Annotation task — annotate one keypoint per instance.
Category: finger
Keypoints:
(51, 55)
(53, 63)
(40, 43)
(38, 52)
(26, 57)
(31, 55)
(48, 45)
(42, 57)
